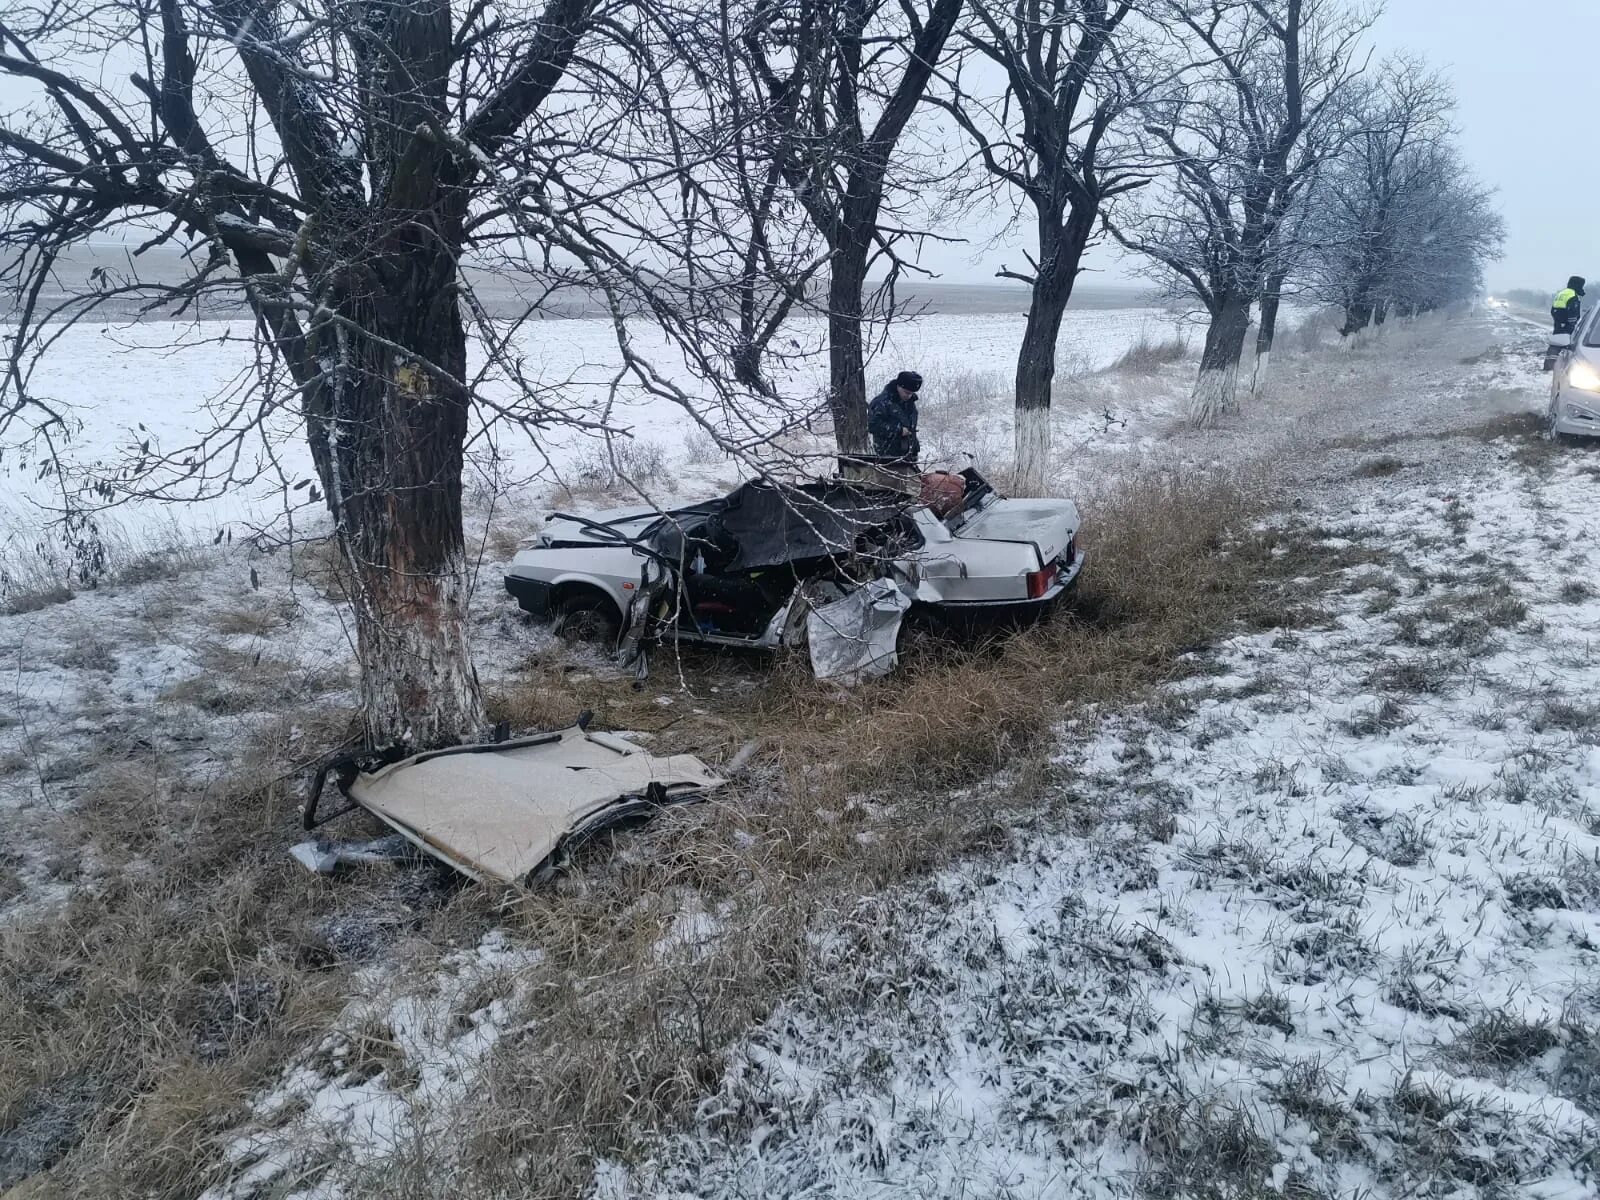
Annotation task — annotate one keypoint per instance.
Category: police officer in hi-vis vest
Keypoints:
(1568, 305)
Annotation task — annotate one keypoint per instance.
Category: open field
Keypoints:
(165, 385)
(503, 296)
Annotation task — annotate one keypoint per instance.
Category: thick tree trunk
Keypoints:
(394, 410)
(1357, 316)
(1215, 391)
(847, 378)
(395, 424)
(1266, 334)
(1036, 362)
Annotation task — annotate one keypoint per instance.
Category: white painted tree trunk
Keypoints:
(1215, 396)
(418, 684)
(1258, 377)
(1033, 450)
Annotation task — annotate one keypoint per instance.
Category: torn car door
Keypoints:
(855, 637)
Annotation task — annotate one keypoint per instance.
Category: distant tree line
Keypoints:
(719, 168)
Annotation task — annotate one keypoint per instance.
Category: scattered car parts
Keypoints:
(510, 811)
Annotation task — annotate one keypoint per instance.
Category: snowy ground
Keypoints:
(1327, 922)
(1357, 957)
(1335, 930)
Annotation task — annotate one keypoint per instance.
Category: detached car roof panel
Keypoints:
(500, 812)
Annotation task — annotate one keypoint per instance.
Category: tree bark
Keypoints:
(1215, 391)
(1061, 250)
(1357, 316)
(847, 377)
(1267, 333)
(393, 421)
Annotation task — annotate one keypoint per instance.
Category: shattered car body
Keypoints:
(755, 567)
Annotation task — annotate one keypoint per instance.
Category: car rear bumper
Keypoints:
(533, 595)
(971, 614)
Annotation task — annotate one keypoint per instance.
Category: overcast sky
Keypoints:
(1522, 70)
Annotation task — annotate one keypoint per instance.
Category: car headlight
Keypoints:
(1583, 376)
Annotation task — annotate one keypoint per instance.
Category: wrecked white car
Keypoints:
(774, 564)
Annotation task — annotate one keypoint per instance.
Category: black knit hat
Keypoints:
(1576, 283)
(910, 380)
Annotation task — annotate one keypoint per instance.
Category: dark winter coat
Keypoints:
(1568, 306)
(887, 415)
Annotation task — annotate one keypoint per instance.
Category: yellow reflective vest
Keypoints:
(1564, 297)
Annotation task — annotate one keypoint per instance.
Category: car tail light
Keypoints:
(1039, 582)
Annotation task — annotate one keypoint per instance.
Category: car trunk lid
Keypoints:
(1047, 525)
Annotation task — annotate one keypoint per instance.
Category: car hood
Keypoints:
(630, 522)
(1047, 524)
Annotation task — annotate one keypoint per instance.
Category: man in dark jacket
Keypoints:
(1568, 305)
(892, 419)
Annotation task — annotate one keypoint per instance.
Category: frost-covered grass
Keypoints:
(1357, 957)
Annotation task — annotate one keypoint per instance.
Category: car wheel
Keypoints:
(589, 617)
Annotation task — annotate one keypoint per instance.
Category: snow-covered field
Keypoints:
(1324, 920)
(165, 383)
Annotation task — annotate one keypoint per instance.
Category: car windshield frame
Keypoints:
(1590, 330)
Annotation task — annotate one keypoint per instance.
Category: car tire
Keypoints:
(588, 617)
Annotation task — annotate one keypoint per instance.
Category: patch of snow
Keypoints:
(1343, 908)
(402, 1051)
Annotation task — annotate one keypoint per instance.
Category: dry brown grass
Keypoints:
(503, 538)
(136, 1019)
(262, 619)
(1379, 467)
(322, 564)
(140, 1016)
(1147, 355)
(242, 681)
(854, 791)
(30, 598)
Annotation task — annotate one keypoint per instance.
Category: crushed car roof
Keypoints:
(772, 523)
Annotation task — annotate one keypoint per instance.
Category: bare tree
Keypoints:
(1262, 109)
(839, 82)
(1375, 191)
(1445, 232)
(331, 168)
(1287, 251)
(1072, 73)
